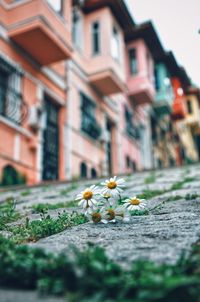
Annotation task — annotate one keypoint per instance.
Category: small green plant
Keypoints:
(26, 193)
(8, 213)
(150, 179)
(191, 196)
(46, 226)
(178, 185)
(147, 194)
(64, 192)
(174, 198)
(41, 207)
(139, 212)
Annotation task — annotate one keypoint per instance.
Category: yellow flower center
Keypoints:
(87, 195)
(96, 217)
(111, 214)
(111, 185)
(134, 201)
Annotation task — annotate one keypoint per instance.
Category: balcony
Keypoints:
(193, 120)
(179, 109)
(163, 103)
(36, 28)
(140, 90)
(106, 75)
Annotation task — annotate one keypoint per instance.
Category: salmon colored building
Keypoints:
(33, 88)
(77, 90)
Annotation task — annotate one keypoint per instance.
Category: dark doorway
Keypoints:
(83, 170)
(109, 127)
(198, 145)
(93, 173)
(51, 141)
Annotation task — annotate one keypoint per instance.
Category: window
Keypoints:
(56, 5)
(95, 38)
(83, 170)
(156, 77)
(89, 124)
(10, 96)
(133, 61)
(115, 44)
(130, 130)
(77, 29)
(189, 106)
(149, 64)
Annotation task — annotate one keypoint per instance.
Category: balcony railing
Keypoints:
(12, 105)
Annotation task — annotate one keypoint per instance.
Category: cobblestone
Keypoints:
(162, 236)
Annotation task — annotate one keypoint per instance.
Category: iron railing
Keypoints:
(90, 126)
(12, 105)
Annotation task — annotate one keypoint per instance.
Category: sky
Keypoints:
(177, 23)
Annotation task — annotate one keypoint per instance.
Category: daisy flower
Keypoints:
(96, 216)
(134, 203)
(86, 197)
(113, 186)
(111, 214)
(107, 199)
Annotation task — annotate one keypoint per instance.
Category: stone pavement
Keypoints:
(161, 236)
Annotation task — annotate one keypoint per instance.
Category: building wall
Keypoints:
(23, 147)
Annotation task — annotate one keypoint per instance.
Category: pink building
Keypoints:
(100, 126)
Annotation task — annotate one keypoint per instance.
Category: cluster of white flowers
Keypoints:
(105, 204)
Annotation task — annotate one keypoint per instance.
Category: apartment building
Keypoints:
(100, 126)
(84, 92)
(187, 149)
(35, 43)
(192, 120)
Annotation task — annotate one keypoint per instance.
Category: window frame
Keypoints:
(189, 107)
(96, 37)
(12, 93)
(88, 117)
(133, 72)
(115, 39)
(59, 12)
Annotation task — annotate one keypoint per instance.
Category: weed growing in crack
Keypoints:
(150, 179)
(8, 213)
(41, 207)
(178, 185)
(46, 226)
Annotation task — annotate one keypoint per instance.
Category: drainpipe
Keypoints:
(68, 123)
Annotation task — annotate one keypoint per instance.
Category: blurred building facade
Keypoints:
(86, 92)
